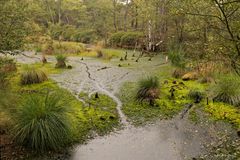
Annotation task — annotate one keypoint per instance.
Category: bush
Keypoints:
(87, 36)
(227, 90)
(32, 76)
(41, 123)
(115, 39)
(65, 32)
(130, 39)
(126, 39)
(148, 90)
(61, 59)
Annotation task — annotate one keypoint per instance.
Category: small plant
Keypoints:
(148, 90)
(32, 76)
(41, 123)
(61, 61)
(227, 90)
(196, 95)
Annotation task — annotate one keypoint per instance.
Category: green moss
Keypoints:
(101, 113)
(165, 107)
(225, 112)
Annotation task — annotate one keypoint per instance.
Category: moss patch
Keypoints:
(165, 107)
(225, 112)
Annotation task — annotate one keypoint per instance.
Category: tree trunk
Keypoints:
(125, 16)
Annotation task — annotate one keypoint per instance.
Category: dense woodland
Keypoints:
(201, 39)
(205, 30)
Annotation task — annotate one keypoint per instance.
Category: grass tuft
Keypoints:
(148, 89)
(227, 90)
(32, 76)
(41, 123)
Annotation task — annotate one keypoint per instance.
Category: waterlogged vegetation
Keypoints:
(46, 117)
(173, 98)
(72, 71)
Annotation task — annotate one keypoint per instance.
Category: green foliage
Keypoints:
(130, 39)
(7, 67)
(41, 123)
(115, 39)
(61, 59)
(227, 90)
(125, 39)
(71, 33)
(62, 32)
(177, 58)
(148, 89)
(88, 36)
(221, 111)
(31, 75)
(13, 20)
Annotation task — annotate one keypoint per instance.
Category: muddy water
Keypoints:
(167, 140)
(90, 77)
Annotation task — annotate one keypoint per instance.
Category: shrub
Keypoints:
(227, 90)
(41, 123)
(148, 90)
(32, 76)
(65, 32)
(87, 36)
(130, 39)
(61, 59)
(126, 39)
(115, 39)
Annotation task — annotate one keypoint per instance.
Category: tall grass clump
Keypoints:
(61, 61)
(177, 59)
(41, 123)
(148, 89)
(196, 95)
(227, 90)
(31, 75)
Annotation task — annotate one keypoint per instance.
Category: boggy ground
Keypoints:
(164, 140)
